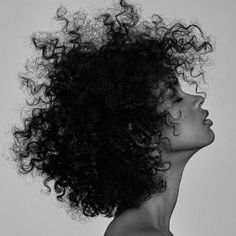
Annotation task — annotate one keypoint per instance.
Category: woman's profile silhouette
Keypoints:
(109, 123)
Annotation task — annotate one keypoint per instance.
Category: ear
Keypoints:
(155, 153)
(174, 115)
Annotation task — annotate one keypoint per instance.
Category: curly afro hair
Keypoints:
(96, 85)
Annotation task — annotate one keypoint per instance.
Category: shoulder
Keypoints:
(134, 232)
(114, 229)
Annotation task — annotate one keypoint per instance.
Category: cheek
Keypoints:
(190, 127)
(179, 140)
(185, 134)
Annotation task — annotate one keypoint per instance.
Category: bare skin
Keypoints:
(153, 216)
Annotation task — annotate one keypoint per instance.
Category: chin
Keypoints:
(212, 136)
(209, 139)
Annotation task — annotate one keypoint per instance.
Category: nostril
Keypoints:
(202, 101)
(207, 113)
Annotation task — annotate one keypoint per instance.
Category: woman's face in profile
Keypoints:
(193, 133)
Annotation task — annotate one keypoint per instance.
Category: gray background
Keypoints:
(206, 202)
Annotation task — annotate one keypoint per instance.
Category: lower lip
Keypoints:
(208, 122)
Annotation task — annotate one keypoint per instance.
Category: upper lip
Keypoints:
(206, 114)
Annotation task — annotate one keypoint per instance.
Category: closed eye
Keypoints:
(178, 100)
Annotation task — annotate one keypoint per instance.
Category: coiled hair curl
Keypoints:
(96, 89)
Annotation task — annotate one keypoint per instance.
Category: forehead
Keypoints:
(167, 94)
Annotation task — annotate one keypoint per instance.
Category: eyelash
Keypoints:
(179, 100)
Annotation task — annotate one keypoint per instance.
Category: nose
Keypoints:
(199, 100)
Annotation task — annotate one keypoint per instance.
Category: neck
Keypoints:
(158, 209)
(156, 212)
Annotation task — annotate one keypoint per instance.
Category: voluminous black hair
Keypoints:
(96, 88)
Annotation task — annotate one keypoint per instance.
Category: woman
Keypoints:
(109, 122)
(153, 216)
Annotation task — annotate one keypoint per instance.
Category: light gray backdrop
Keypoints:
(206, 202)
